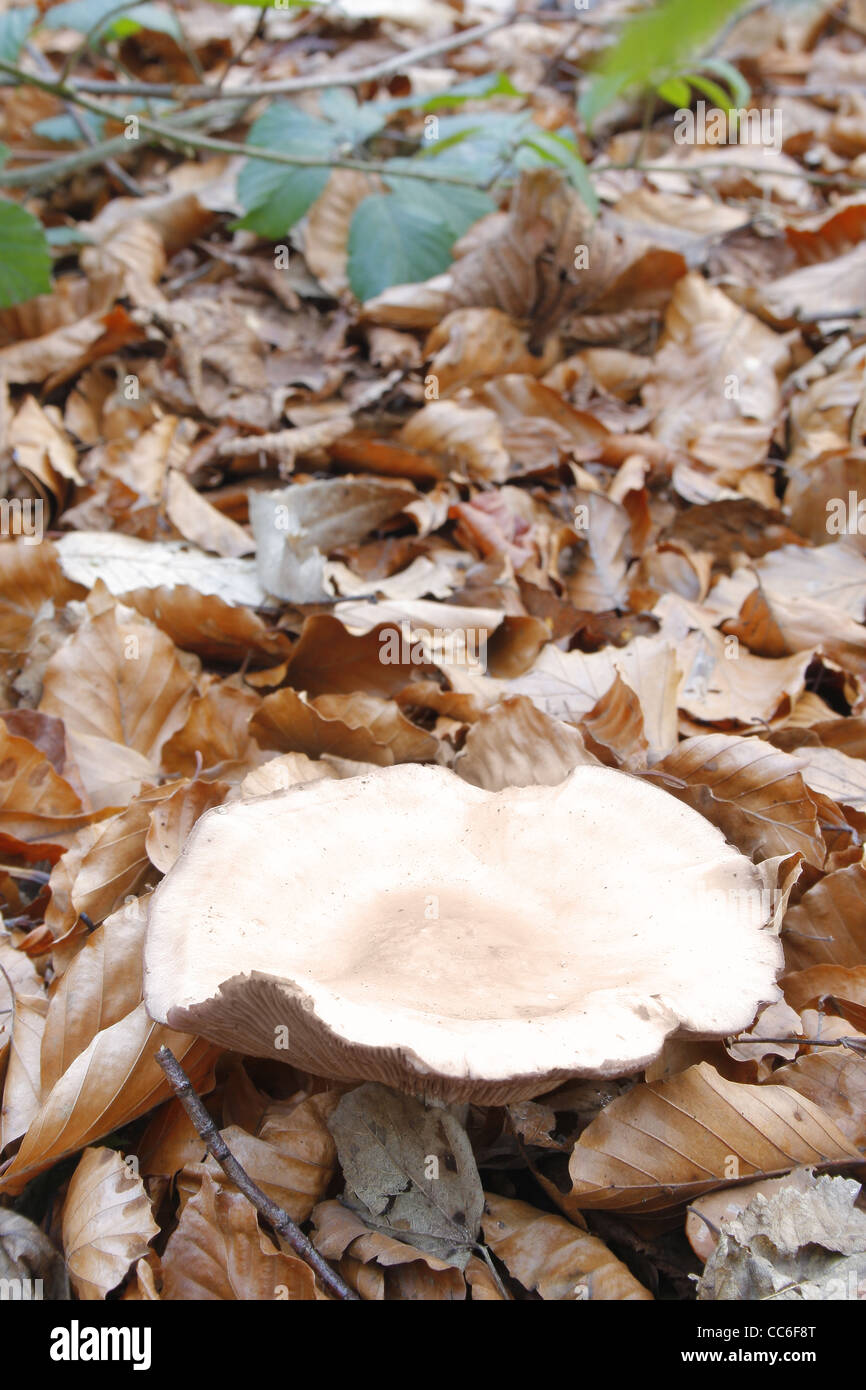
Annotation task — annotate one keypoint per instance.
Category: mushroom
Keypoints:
(406, 927)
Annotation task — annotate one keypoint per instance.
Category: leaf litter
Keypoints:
(631, 480)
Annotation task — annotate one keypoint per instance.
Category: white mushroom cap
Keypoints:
(407, 927)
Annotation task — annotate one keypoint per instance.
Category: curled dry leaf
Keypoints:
(297, 526)
(568, 685)
(471, 345)
(551, 1257)
(705, 1215)
(776, 1021)
(374, 1262)
(667, 1142)
(218, 1252)
(817, 983)
(107, 1223)
(362, 727)
(36, 804)
(138, 696)
(125, 564)
(715, 377)
(199, 521)
(467, 436)
(30, 576)
(42, 448)
(216, 732)
(213, 628)
(613, 729)
(327, 659)
(173, 818)
(514, 744)
(18, 976)
(289, 770)
(106, 864)
(292, 1158)
(326, 231)
(806, 1240)
(27, 1253)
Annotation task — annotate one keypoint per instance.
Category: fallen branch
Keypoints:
(219, 1149)
(283, 86)
(175, 137)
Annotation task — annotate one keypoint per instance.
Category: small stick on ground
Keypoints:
(216, 1145)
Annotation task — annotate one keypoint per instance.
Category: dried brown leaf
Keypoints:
(114, 1080)
(107, 1223)
(668, 1141)
(219, 1253)
(551, 1257)
(750, 791)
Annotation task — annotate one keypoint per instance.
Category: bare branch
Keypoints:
(206, 92)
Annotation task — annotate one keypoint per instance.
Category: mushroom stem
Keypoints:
(217, 1146)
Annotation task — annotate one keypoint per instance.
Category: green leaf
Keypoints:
(392, 244)
(284, 127)
(276, 196)
(557, 149)
(741, 90)
(654, 45)
(15, 25)
(25, 261)
(67, 236)
(62, 129)
(352, 122)
(493, 84)
(480, 146)
(676, 90)
(716, 93)
(287, 200)
(459, 208)
(96, 15)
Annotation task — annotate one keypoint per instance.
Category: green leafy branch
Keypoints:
(433, 184)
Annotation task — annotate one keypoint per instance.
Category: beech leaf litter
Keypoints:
(539, 452)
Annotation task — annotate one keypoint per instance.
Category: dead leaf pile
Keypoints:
(535, 512)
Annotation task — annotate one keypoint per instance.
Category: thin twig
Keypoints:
(257, 30)
(125, 180)
(35, 875)
(218, 1148)
(388, 66)
(52, 171)
(185, 44)
(176, 137)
